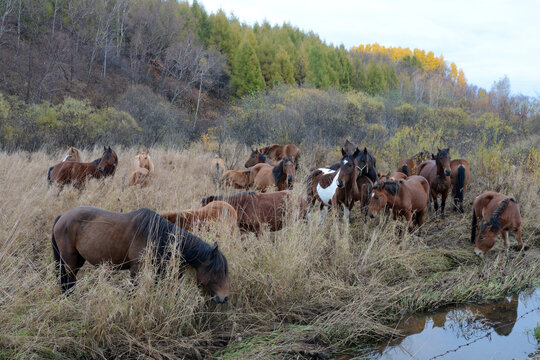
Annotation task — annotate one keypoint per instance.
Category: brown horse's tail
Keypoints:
(460, 183)
(405, 170)
(473, 227)
(49, 176)
(56, 252)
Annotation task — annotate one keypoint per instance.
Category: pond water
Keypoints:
(504, 330)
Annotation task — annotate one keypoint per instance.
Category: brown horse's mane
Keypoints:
(391, 186)
(193, 249)
(278, 170)
(494, 220)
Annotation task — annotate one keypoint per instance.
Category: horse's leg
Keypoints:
(409, 216)
(323, 213)
(520, 241)
(346, 214)
(443, 202)
(435, 204)
(69, 267)
(420, 220)
(506, 245)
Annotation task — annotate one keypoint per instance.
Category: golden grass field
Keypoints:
(305, 290)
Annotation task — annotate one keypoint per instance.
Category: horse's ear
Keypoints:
(105, 148)
(343, 152)
(439, 149)
(356, 152)
(365, 150)
(432, 156)
(215, 249)
(448, 149)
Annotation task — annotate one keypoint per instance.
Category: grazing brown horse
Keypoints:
(407, 198)
(335, 187)
(99, 236)
(73, 154)
(437, 172)
(237, 179)
(409, 166)
(217, 167)
(273, 152)
(264, 176)
(460, 180)
(76, 173)
(216, 211)
(255, 210)
(494, 214)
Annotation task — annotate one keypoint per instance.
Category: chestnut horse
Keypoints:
(264, 176)
(460, 180)
(409, 166)
(237, 179)
(407, 198)
(76, 173)
(273, 152)
(99, 236)
(437, 172)
(502, 215)
(73, 154)
(335, 187)
(216, 211)
(255, 210)
(144, 168)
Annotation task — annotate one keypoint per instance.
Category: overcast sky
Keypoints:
(488, 39)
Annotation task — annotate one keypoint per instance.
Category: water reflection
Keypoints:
(496, 331)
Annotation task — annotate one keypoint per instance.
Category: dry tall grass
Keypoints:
(305, 289)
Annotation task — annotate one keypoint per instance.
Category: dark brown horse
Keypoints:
(460, 180)
(273, 152)
(408, 198)
(99, 236)
(409, 166)
(255, 210)
(335, 187)
(77, 173)
(494, 214)
(437, 172)
(216, 211)
(264, 176)
(367, 164)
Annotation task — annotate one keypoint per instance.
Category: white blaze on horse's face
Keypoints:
(326, 194)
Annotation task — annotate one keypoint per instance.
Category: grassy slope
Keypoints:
(298, 291)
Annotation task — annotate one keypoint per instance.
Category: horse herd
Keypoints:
(95, 235)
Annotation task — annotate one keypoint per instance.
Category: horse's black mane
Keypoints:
(161, 232)
(494, 220)
(391, 186)
(277, 171)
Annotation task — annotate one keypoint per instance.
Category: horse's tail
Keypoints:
(405, 170)
(473, 227)
(56, 251)
(460, 183)
(49, 175)
(296, 160)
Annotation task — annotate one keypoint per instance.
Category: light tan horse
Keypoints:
(73, 154)
(217, 168)
(237, 179)
(144, 167)
(216, 211)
